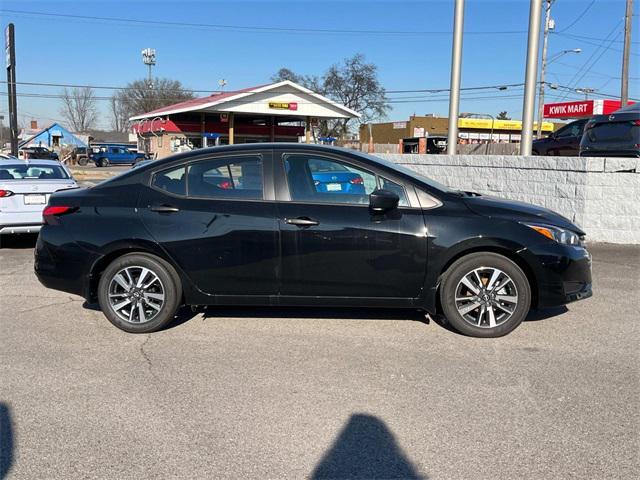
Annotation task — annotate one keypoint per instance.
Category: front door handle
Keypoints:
(302, 222)
(164, 208)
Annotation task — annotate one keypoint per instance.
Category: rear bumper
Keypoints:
(21, 228)
(61, 265)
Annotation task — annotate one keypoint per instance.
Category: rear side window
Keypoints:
(226, 178)
(171, 181)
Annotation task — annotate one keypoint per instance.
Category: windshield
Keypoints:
(412, 173)
(32, 171)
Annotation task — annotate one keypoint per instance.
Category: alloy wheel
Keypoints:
(486, 297)
(136, 294)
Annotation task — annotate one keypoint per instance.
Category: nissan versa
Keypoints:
(257, 224)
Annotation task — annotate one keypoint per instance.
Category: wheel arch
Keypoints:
(511, 254)
(118, 250)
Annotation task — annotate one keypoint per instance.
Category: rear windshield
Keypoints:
(32, 171)
(611, 131)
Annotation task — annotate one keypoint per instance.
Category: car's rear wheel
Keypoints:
(139, 293)
(103, 162)
(82, 161)
(485, 295)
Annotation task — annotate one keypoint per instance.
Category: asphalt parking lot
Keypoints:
(300, 393)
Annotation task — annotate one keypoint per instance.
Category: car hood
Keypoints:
(495, 207)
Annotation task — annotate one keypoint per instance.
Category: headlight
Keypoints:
(560, 235)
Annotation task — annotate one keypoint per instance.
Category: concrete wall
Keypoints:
(601, 195)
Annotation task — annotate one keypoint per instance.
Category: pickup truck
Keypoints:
(116, 156)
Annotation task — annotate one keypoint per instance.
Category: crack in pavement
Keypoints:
(53, 304)
(146, 357)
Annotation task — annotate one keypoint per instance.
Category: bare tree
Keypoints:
(354, 83)
(137, 97)
(79, 108)
(119, 115)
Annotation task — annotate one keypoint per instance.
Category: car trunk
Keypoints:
(29, 196)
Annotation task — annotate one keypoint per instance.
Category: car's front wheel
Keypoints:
(485, 295)
(139, 293)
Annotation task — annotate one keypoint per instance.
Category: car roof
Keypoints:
(634, 107)
(33, 161)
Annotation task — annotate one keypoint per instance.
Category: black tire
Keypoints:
(451, 282)
(82, 161)
(169, 283)
(104, 162)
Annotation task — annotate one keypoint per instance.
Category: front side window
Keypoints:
(396, 188)
(231, 178)
(316, 179)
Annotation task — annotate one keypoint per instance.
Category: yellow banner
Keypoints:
(486, 123)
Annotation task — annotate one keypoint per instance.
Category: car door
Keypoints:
(332, 244)
(216, 217)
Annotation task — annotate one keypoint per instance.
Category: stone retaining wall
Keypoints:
(601, 195)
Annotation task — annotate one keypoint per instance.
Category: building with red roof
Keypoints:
(276, 112)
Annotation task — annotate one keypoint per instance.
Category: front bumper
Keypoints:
(564, 275)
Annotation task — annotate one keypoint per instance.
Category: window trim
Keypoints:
(410, 193)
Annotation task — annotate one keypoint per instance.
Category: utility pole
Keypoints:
(10, 50)
(543, 68)
(531, 75)
(624, 84)
(456, 68)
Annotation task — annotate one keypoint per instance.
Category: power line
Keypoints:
(106, 87)
(599, 44)
(595, 52)
(584, 37)
(579, 17)
(257, 29)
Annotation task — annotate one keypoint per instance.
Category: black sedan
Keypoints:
(168, 234)
(615, 135)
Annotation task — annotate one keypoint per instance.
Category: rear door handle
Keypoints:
(302, 222)
(164, 208)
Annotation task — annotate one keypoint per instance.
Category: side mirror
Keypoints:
(381, 201)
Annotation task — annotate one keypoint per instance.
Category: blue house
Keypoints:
(54, 137)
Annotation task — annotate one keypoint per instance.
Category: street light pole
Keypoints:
(543, 68)
(456, 68)
(528, 104)
(624, 84)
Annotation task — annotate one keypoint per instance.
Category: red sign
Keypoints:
(579, 109)
(568, 109)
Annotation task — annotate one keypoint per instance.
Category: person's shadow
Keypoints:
(6, 441)
(365, 448)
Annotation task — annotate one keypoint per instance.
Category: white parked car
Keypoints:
(25, 188)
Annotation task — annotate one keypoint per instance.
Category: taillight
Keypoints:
(356, 181)
(636, 122)
(5, 193)
(53, 211)
(226, 185)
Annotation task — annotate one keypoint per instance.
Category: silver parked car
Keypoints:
(25, 188)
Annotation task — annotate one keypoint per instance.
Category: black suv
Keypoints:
(564, 142)
(41, 153)
(614, 135)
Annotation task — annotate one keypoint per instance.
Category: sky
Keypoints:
(410, 42)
